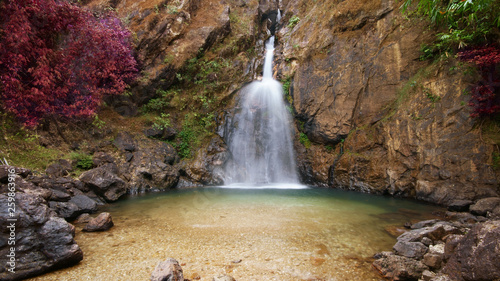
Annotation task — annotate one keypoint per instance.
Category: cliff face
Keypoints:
(379, 119)
(382, 121)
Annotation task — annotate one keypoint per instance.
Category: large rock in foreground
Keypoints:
(477, 255)
(43, 241)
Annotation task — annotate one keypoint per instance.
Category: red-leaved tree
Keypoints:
(58, 59)
(485, 94)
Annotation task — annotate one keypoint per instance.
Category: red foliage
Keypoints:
(57, 58)
(485, 98)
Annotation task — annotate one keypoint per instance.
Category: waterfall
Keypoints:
(261, 142)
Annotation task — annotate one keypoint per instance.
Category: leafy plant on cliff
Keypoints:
(293, 21)
(463, 21)
(57, 59)
(304, 140)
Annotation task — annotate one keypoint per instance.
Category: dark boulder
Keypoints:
(414, 250)
(168, 270)
(459, 205)
(44, 242)
(487, 207)
(61, 168)
(476, 256)
(104, 183)
(100, 223)
(84, 204)
(207, 167)
(67, 210)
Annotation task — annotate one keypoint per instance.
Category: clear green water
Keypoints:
(250, 234)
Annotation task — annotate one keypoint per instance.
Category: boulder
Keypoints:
(125, 142)
(486, 207)
(101, 158)
(459, 205)
(67, 210)
(61, 168)
(396, 267)
(44, 241)
(84, 204)
(100, 223)
(414, 250)
(168, 270)
(104, 183)
(476, 256)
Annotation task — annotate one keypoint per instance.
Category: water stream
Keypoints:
(250, 234)
(261, 142)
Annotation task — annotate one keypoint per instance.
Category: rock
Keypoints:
(84, 204)
(486, 207)
(100, 223)
(476, 256)
(459, 205)
(152, 168)
(422, 224)
(166, 134)
(207, 167)
(432, 260)
(427, 275)
(57, 195)
(168, 270)
(44, 242)
(83, 218)
(414, 250)
(397, 267)
(101, 158)
(5, 172)
(67, 210)
(125, 142)
(104, 183)
(59, 169)
(435, 232)
(223, 278)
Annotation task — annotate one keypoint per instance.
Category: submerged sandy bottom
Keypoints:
(248, 234)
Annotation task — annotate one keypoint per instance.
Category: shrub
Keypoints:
(485, 98)
(58, 59)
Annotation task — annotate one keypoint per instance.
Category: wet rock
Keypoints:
(414, 250)
(59, 169)
(460, 205)
(435, 232)
(422, 224)
(166, 134)
(223, 278)
(67, 210)
(397, 267)
(104, 183)
(100, 223)
(57, 195)
(207, 168)
(43, 241)
(168, 270)
(475, 256)
(84, 204)
(486, 207)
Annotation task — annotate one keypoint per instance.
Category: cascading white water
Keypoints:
(261, 142)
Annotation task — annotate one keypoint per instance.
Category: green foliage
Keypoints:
(304, 140)
(432, 97)
(162, 122)
(195, 129)
(83, 160)
(98, 122)
(495, 160)
(464, 22)
(293, 21)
